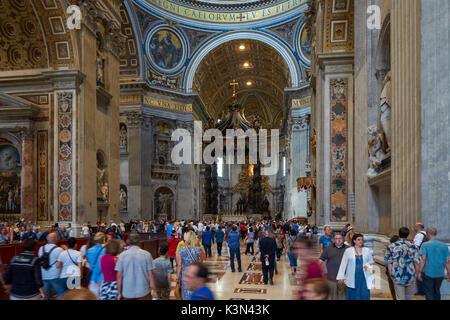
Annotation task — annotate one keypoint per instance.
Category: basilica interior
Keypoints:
(90, 99)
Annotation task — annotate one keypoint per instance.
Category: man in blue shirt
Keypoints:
(295, 227)
(169, 229)
(435, 258)
(326, 239)
(219, 235)
(234, 248)
(195, 278)
(93, 256)
(207, 238)
(29, 234)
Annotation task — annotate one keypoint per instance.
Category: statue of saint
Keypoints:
(100, 69)
(123, 137)
(162, 203)
(105, 192)
(123, 199)
(384, 114)
(100, 181)
(376, 153)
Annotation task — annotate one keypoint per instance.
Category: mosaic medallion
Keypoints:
(165, 49)
(65, 136)
(64, 198)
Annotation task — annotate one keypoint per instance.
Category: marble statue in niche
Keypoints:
(123, 137)
(100, 70)
(384, 114)
(376, 152)
(123, 199)
(163, 198)
(102, 180)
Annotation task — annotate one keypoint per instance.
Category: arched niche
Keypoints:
(164, 203)
(10, 177)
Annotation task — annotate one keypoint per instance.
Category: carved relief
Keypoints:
(123, 137)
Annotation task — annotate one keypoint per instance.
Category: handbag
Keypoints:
(177, 292)
(87, 276)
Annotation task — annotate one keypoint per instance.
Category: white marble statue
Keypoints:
(105, 192)
(162, 203)
(123, 137)
(384, 115)
(376, 153)
(123, 199)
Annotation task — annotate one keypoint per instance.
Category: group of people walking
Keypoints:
(112, 266)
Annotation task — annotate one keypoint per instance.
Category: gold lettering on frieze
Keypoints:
(169, 105)
(124, 99)
(227, 17)
(301, 103)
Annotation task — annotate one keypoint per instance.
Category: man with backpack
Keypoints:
(419, 239)
(49, 255)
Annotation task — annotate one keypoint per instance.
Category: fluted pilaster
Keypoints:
(406, 204)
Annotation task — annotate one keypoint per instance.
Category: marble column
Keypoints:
(135, 124)
(299, 149)
(435, 116)
(335, 164)
(406, 200)
(27, 194)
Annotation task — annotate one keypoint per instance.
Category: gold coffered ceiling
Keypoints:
(268, 73)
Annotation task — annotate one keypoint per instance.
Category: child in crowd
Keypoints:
(162, 270)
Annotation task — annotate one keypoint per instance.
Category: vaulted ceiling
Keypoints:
(267, 72)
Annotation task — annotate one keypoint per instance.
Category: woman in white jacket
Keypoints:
(355, 270)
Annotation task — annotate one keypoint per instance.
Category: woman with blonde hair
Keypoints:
(349, 236)
(191, 252)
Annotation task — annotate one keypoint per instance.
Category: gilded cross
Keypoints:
(234, 84)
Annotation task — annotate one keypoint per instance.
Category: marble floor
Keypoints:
(248, 284)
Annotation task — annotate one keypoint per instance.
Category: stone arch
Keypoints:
(34, 35)
(295, 74)
(10, 183)
(170, 205)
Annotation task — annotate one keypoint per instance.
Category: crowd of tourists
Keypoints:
(112, 266)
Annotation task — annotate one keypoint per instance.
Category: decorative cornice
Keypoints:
(136, 119)
(26, 133)
(114, 39)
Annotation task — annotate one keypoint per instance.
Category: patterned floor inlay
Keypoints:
(254, 267)
(250, 290)
(213, 265)
(252, 278)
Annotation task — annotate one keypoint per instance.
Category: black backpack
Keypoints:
(45, 258)
(425, 238)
